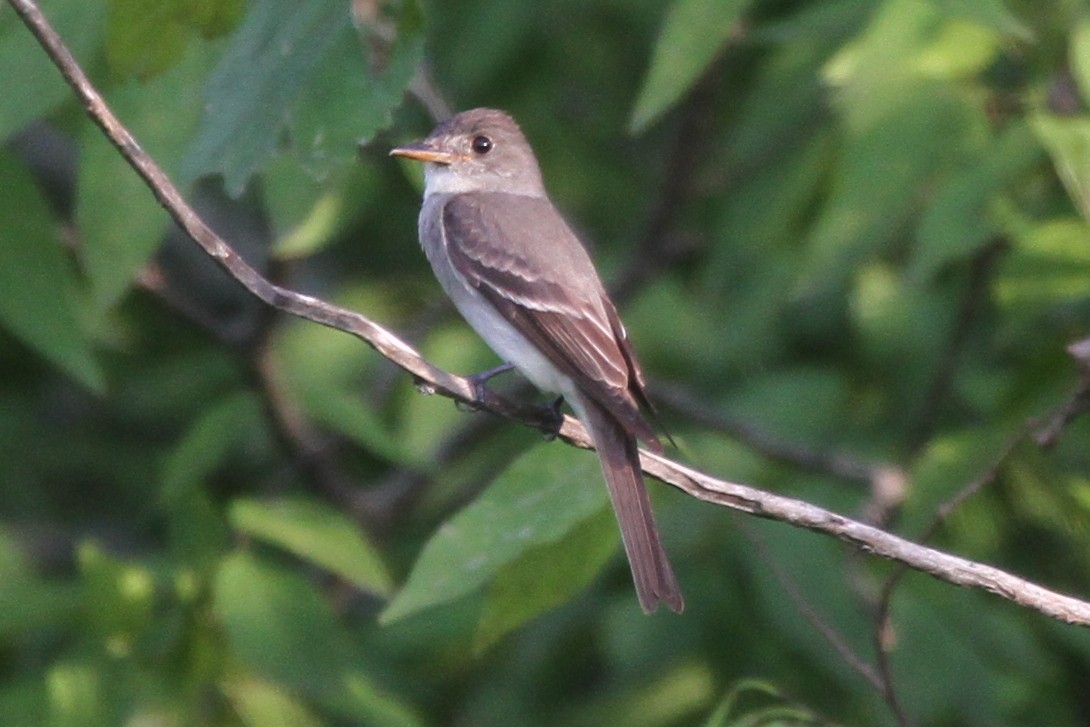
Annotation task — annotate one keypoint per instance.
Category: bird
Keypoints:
(523, 280)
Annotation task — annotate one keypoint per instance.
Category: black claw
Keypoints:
(552, 429)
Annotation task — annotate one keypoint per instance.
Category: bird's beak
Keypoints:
(422, 151)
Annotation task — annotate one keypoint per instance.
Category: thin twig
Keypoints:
(823, 627)
(837, 464)
(883, 624)
(981, 268)
(1077, 404)
(943, 566)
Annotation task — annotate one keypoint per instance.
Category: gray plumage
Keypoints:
(524, 282)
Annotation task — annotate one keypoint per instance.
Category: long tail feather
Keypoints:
(619, 457)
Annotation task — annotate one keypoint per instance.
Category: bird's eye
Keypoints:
(482, 144)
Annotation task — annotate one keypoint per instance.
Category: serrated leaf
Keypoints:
(32, 84)
(545, 577)
(316, 533)
(537, 501)
(692, 35)
(40, 300)
(296, 73)
(347, 103)
(270, 60)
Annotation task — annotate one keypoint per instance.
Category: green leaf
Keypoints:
(208, 443)
(213, 18)
(907, 46)
(270, 60)
(1079, 53)
(724, 714)
(370, 704)
(296, 72)
(40, 303)
(988, 13)
(28, 603)
(911, 145)
(199, 533)
(161, 115)
(538, 500)
(144, 37)
(347, 103)
(545, 577)
(261, 704)
(1049, 265)
(316, 533)
(1068, 142)
(119, 597)
(961, 219)
(76, 695)
(278, 625)
(32, 84)
(692, 35)
(323, 368)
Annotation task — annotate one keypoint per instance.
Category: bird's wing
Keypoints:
(518, 252)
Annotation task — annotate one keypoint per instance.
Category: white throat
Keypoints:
(442, 179)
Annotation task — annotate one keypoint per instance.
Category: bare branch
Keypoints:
(1075, 405)
(943, 566)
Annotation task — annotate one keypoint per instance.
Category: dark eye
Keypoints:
(482, 144)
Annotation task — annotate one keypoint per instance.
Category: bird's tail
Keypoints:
(620, 460)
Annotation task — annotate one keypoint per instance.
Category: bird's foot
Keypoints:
(551, 430)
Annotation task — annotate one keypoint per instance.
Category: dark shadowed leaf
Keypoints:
(32, 86)
(40, 302)
(161, 115)
(1068, 142)
(692, 34)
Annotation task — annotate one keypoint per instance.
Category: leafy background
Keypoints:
(854, 229)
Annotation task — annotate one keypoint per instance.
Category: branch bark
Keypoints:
(944, 566)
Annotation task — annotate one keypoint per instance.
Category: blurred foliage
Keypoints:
(859, 226)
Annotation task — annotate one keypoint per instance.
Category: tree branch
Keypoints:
(943, 566)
